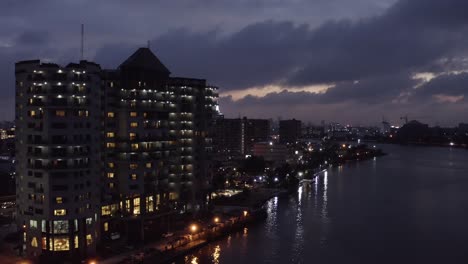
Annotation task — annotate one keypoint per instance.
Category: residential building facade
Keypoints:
(103, 150)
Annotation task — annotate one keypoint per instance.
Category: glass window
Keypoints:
(61, 227)
(110, 175)
(148, 165)
(89, 221)
(33, 223)
(110, 134)
(127, 206)
(105, 210)
(60, 113)
(44, 243)
(111, 165)
(34, 242)
(61, 244)
(76, 241)
(110, 114)
(133, 176)
(89, 239)
(135, 146)
(59, 200)
(110, 145)
(132, 136)
(133, 166)
(106, 226)
(133, 114)
(60, 212)
(149, 204)
(133, 124)
(136, 206)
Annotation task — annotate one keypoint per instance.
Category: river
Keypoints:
(410, 206)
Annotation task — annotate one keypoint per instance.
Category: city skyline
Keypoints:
(325, 60)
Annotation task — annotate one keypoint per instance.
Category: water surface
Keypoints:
(408, 207)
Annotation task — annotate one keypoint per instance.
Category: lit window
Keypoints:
(134, 146)
(110, 145)
(89, 239)
(76, 241)
(132, 136)
(149, 204)
(111, 185)
(110, 134)
(60, 244)
(145, 114)
(127, 206)
(82, 113)
(110, 114)
(148, 165)
(133, 114)
(60, 212)
(33, 223)
(111, 165)
(44, 243)
(133, 166)
(110, 175)
(133, 124)
(133, 176)
(136, 206)
(106, 226)
(58, 200)
(89, 221)
(105, 210)
(172, 196)
(60, 227)
(34, 242)
(60, 113)
(32, 113)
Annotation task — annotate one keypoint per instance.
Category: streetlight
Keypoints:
(216, 219)
(194, 228)
(245, 213)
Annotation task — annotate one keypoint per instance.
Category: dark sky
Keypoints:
(341, 60)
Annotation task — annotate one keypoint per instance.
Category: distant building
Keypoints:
(463, 127)
(290, 131)
(238, 135)
(414, 131)
(276, 153)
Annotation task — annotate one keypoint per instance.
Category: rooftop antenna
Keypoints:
(82, 41)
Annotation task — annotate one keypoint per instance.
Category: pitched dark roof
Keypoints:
(143, 58)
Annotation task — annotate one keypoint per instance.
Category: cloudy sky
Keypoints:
(351, 61)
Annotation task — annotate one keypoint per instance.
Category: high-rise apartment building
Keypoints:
(58, 116)
(100, 151)
(238, 135)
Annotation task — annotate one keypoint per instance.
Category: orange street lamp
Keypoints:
(216, 219)
(245, 213)
(194, 228)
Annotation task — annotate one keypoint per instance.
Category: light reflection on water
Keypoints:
(216, 254)
(405, 203)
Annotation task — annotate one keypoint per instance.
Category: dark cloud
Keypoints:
(449, 85)
(370, 56)
(32, 38)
